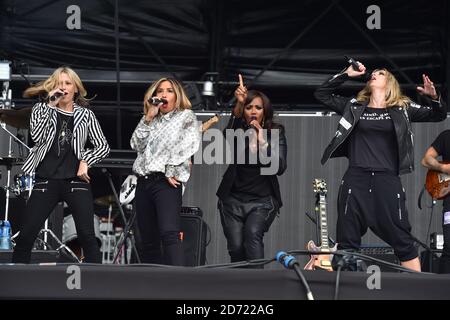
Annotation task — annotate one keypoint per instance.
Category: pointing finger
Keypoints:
(241, 81)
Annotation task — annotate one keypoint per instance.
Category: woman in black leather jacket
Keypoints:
(375, 134)
(249, 194)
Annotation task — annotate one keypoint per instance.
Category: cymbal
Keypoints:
(105, 201)
(19, 119)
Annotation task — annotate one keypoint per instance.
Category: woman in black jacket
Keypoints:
(249, 194)
(375, 134)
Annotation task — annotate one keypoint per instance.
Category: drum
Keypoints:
(69, 232)
(23, 183)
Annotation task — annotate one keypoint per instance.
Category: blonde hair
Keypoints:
(182, 102)
(394, 95)
(45, 86)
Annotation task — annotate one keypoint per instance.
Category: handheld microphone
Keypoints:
(366, 76)
(251, 125)
(155, 100)
(57, 95)
(353, 62)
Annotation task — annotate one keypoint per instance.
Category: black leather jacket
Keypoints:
(351, 110)
(230, 174)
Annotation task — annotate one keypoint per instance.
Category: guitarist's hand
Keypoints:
(445, 168)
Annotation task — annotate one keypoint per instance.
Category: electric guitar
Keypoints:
(321, 261)
(128, 188)
(208, 123)
(437, 183)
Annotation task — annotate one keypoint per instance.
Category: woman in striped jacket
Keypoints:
(60, 127)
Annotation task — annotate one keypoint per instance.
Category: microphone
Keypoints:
(353, 62)
(57, 95)
(251, 125)
(366, 76)
(287, 260)
(155, 100)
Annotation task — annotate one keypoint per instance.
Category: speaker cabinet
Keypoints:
(37, 256)
(194, 232)
(384, 253)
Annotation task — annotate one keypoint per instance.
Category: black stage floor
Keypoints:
(64, 281)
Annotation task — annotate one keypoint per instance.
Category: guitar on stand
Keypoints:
(209, 123)
(321, 261)
(437, 183)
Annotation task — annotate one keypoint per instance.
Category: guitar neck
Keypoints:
(324, 244)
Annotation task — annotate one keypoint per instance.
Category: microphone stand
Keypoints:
(128, 224)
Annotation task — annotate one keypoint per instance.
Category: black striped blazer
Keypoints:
(43, 131)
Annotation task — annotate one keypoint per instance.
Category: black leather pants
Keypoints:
(244, 225)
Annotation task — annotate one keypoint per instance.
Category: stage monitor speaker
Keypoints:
(194, 231)
(37, 256)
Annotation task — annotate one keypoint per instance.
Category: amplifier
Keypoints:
(192, 211)
(381, 252)
(194, 231)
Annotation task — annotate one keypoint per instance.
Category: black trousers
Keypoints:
(244, 225)
(374, 200)
(445, 258)
(158, 207)
(45, 196)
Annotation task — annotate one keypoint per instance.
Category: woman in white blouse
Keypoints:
(165, 139)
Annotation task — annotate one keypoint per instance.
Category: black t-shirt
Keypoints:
(373, 142)
(60, 162)
(249, 184)
(442, 146)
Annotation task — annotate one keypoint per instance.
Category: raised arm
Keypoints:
(434, 110)
(325, 92)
